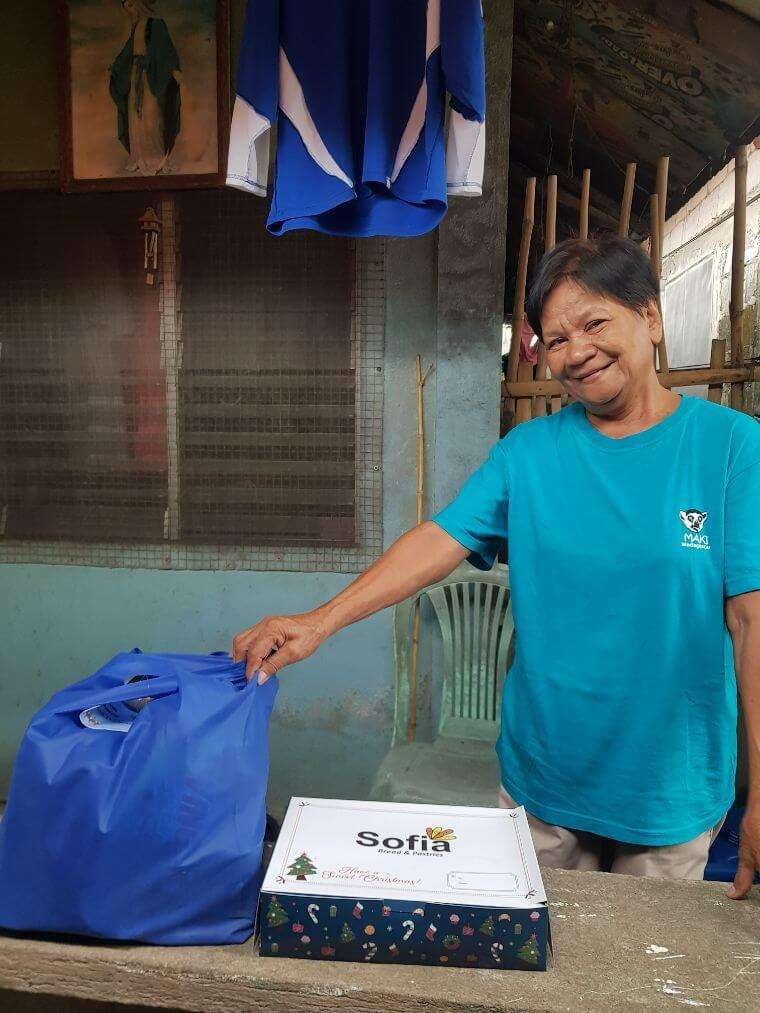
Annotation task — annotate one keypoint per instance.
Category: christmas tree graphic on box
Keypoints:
(275, 914)
(529, 951)
(302, 867)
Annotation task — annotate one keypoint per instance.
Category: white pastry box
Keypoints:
(412, 884)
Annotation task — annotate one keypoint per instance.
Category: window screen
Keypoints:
(229, 415)
(268, 384)
(82, 410)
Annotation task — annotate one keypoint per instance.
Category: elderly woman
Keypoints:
(634, 550)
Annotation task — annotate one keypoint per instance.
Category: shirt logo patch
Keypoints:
(694, 522)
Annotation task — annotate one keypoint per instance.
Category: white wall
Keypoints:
(702, 231)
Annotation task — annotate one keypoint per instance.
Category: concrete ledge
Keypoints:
(620, 943)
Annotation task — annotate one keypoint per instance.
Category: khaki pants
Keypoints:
(559, 848)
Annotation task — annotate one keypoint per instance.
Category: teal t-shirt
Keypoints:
(619, 712)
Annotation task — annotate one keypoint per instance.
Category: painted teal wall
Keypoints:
(60, 623)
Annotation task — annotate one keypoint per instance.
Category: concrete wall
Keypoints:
(703, 230)
(444, 301)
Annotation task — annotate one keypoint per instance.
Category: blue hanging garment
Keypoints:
(358, 93)
(137, 805)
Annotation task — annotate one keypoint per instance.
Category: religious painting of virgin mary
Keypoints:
(144, 94)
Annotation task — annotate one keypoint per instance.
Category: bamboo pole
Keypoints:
(655, 255)
(654, 233)
(749, 373)
(717, 361)
(550, 238)
(518, 307)
(654, 241)
(524, 404)
(585, 197)
(625, 207)
(663, 163)
(550, 241)
(421, 377)
(736, 306)
(541, 373)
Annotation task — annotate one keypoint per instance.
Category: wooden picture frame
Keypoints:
(143, 94)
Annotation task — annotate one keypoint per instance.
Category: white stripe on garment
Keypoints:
(465, 155)
(416, 120)
(248, 158)
(293, 104)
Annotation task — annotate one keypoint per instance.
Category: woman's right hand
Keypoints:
(291, 638)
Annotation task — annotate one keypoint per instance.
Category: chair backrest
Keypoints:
(474, 614)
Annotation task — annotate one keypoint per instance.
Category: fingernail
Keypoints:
(261, 678)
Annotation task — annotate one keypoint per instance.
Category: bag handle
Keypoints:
(162, 680)
(161, 686)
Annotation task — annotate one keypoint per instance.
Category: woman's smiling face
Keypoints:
(601, 351)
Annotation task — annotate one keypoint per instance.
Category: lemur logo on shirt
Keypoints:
(694, 521)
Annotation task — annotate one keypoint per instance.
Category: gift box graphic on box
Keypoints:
(388, 883)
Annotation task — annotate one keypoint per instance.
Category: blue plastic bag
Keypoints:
(723, 860)
(142, 821)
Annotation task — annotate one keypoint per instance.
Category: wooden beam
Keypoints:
(518, 307)
(654, 233)
(550, 236)
(625, 206)
(655, 255)
(524, 405)
(736, 306)
(550, 241)
(585, 194)
(717, 361)
(675, 378)
(662, 199)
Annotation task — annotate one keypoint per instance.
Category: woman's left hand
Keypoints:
(749, 853)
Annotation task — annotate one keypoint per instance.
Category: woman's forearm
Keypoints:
(422, 556)
(743, 617)
(419, 558)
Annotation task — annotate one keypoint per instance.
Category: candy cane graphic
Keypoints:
(370, 949)
(409, 926)
(312, 911)
(496, 951)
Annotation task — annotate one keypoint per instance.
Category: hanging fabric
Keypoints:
(358, 92)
